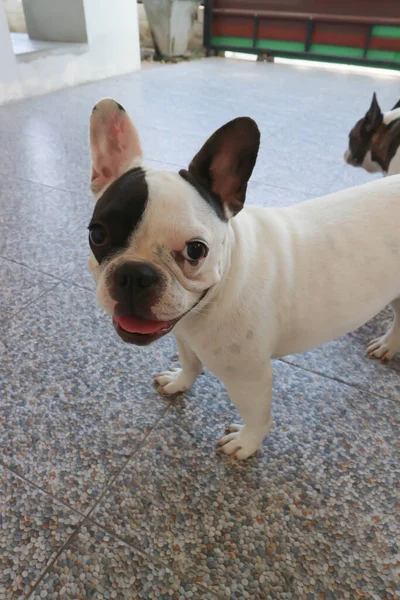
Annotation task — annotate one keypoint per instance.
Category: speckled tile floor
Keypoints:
(108, 490)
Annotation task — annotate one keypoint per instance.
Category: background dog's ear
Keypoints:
(114, 144)
(397, 105)
(373, 117)
(224, 164)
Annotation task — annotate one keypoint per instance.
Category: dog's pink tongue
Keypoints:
(133, 325)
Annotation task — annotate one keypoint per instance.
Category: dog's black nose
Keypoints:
(136, 277)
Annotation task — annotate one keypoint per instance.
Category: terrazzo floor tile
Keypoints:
(262, 90)
(273, 196)
(56, 163)
(48, 211)
(347, 177)
(19, 286)
(97, 565)
(33, 528)
(77, 401)
(51, 140)
(15, 193)
(283, 169)
(46, 232)
(346, 360)
(316, 512)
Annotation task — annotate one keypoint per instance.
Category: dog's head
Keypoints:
(361, 137)
(158, 238)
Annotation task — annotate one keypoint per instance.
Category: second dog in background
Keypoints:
(374, 141)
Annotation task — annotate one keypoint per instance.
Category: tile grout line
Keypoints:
(138, 446)
(25, 306)
(82, 287)
(86, 516)
(161, 162)
(63, 546)
(59, 279)
(135, 448)
(150, 558)
(21, 264)
(38, 183)
(52, 562)
(12, 470)
(353, 386)
(47, 185)
(90, 519)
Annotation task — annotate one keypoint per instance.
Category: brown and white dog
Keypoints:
(237, 284)
(374, 140)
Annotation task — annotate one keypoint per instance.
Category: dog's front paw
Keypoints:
(172, 382)
(240, 442)
(384, 347)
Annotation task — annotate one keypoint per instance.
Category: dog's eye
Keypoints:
(195, 251)
(98, 235)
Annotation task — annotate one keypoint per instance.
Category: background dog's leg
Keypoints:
(180, 380)
(253, 399)
(388, 345)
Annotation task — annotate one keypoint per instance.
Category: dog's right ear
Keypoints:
(114, 144)
(373, 117)
(225, 163)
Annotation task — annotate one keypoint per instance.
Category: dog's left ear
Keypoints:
(397, 105)
(114, 144)
(373, 117)
(225, 163)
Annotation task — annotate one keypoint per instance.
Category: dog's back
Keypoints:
(337, 259)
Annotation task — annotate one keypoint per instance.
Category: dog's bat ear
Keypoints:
(373, 117)
(225, 163)
(114, 144)
(397, 105)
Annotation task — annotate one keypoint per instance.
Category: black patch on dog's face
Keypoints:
(119, 211)
(383, 143)
(359, 142)
(212, 199)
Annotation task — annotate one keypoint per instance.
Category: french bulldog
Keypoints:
(238, 286)
(374, 140)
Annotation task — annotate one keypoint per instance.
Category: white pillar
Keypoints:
(112, 49)
(112, 28)
(9, 83)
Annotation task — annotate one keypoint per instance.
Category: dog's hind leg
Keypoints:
(388, 345)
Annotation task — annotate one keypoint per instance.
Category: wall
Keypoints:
(112, 49)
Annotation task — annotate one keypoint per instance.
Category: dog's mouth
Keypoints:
(141, 332)
(135, 330)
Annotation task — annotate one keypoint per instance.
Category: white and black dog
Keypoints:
(374, 141)
(237, 285)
